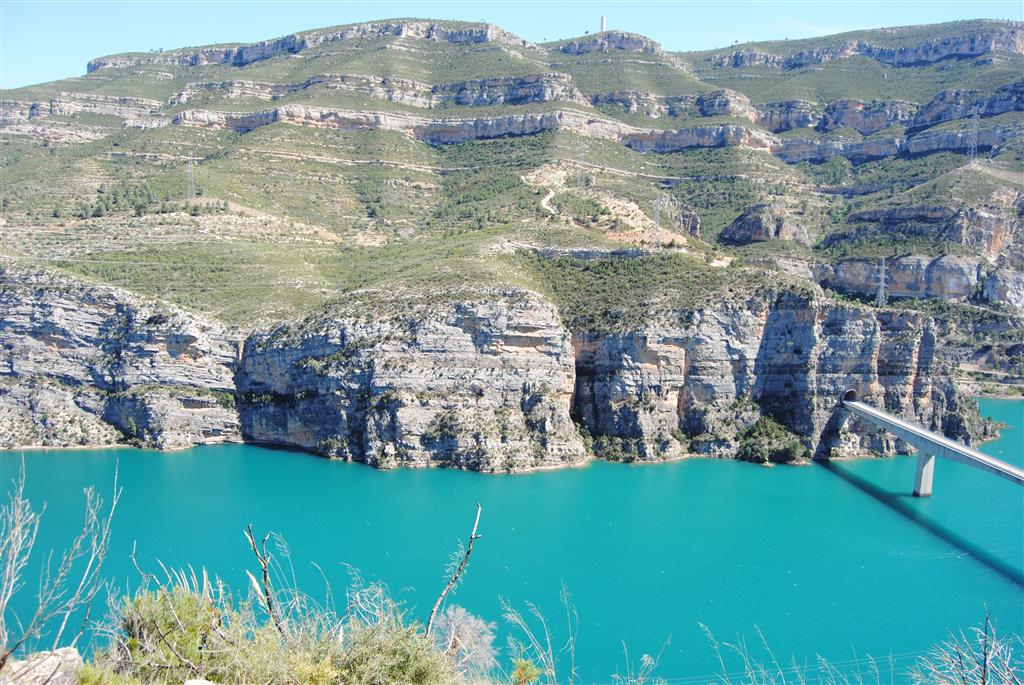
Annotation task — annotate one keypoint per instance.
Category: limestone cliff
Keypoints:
(82, 364)
(240, 55)
(490, 382)
(696, 381)
(764, 222)
(483, 385)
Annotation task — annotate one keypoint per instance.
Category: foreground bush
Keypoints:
(189, 628)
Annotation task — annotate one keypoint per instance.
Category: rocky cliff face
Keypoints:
(631, 102)
(70, 104)
(991, 230)
(489, 383)
(763, 222)
(959, 104)
(697, 381)
(441, 131)
(947, 277)
(240, 55)
(93, 365)
(1005, 286)
(482, 385)
(867, 117)
(1009, 38)
(511, 90)
(726, 103)
(611, 40)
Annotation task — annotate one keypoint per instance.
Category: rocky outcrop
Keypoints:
(747, 58)
(764, 222)
(489, 382)
(946, 277)
(512, 90)
(790, 114)
(611, 40)
(631, 102)
(1008, 38)
(795, 150)
(696, 381)
(726, 135)
(70, 104)
(1005, 286)
(59, 667)
(960, 104)
(867, 117)
(240, 55)
(726, 103)
(991, 230)
(404, 91)
(79, 361)
(483, 385)
(441, 131)
(1004, 36)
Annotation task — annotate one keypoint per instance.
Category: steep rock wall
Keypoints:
(493, 383)
(511, 90)
(481, 385)
(83, 364)
(698, 380)
(442, 131)
(240, 55)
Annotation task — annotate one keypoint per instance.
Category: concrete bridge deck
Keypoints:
(929, 446)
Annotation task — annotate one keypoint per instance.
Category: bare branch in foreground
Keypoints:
(60, 595)
(268, 593)
(458, 572)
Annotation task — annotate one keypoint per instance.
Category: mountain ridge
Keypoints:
(410, 242)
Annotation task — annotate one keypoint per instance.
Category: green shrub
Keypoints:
(769, 441)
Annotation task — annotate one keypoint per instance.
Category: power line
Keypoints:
(972, 137)
(658, 198)
(191, 181)
(881, 295)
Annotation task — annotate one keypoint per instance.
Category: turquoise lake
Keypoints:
(837, 560)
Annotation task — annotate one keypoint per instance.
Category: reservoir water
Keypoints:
(835, 560)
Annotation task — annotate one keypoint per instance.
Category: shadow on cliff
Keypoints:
(896, 502)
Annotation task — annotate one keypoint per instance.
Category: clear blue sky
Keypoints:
(44, 40)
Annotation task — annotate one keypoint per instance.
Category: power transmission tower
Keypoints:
(579, 161)
(881, 297)
(191, 181)
(657, 220)
(972, 137)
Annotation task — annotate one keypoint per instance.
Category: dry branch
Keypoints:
(458, 572)
(268, 593)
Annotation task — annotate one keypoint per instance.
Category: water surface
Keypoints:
(839, 560)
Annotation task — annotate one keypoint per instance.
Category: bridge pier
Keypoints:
(929, 445)
(925, 474)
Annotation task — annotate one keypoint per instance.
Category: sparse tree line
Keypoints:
(137, 199)
(180, 624)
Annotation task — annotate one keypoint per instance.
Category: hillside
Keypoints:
(567, 208)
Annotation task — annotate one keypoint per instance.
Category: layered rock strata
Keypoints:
(696, 381)
(506, 90)
(1006, 38)
(83, 364)
(990, 231)
(240, 55)
(764, 222)
(483, 385)
(441, 131)
(489, 383)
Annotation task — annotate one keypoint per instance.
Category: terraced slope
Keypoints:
(364, 172)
